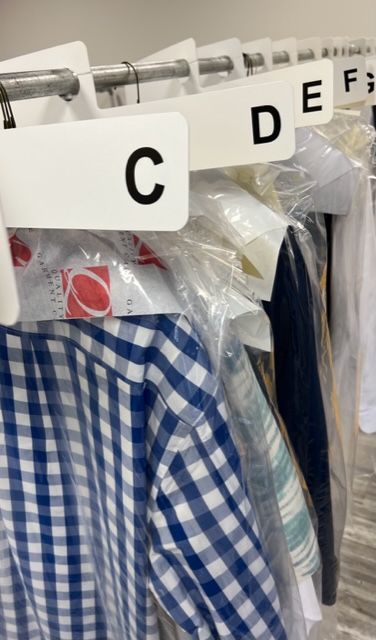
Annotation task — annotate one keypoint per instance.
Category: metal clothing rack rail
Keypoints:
(65, 83)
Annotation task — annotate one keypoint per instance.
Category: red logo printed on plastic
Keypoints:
(87, 292)
(145, 255)
(20, 251)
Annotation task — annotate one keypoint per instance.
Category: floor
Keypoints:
(357, 590)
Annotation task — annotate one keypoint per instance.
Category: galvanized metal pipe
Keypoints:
(65, 83)
(215, 65)
(37, 84)
(117, 75)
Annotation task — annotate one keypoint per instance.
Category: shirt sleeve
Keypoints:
(208, 569)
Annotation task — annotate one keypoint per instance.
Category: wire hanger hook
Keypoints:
(9, 121)
(131, 66)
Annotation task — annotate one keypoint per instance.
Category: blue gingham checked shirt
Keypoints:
(119, 479)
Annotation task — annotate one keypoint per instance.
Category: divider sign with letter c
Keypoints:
(129, 172)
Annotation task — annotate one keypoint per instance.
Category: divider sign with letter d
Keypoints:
(272, 121)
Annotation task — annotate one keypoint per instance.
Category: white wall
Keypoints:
(114, 30)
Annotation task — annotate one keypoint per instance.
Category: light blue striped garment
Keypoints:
(250, 409)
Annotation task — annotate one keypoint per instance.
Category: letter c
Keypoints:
(156, 158)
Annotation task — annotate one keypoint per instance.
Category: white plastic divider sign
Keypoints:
(371, 80)
(328, 44)
(312, 85)
(350, 80)
(341, 45)
(220, 127)
(231, 48)
(289, 45)
(314, 44)
(129, 174)
(244, 125)
(9, 300)
(361, 43)
(313, 91)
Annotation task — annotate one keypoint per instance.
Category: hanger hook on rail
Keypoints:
(248, 63)
(9, 121)
(131, 66)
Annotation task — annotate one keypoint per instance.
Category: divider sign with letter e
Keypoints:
(126, 173)
(312, 86)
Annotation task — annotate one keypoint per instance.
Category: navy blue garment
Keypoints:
(329, 235)
(299, 394)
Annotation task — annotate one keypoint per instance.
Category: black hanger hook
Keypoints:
(248, 62)
(131, 66)
(9, 120)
